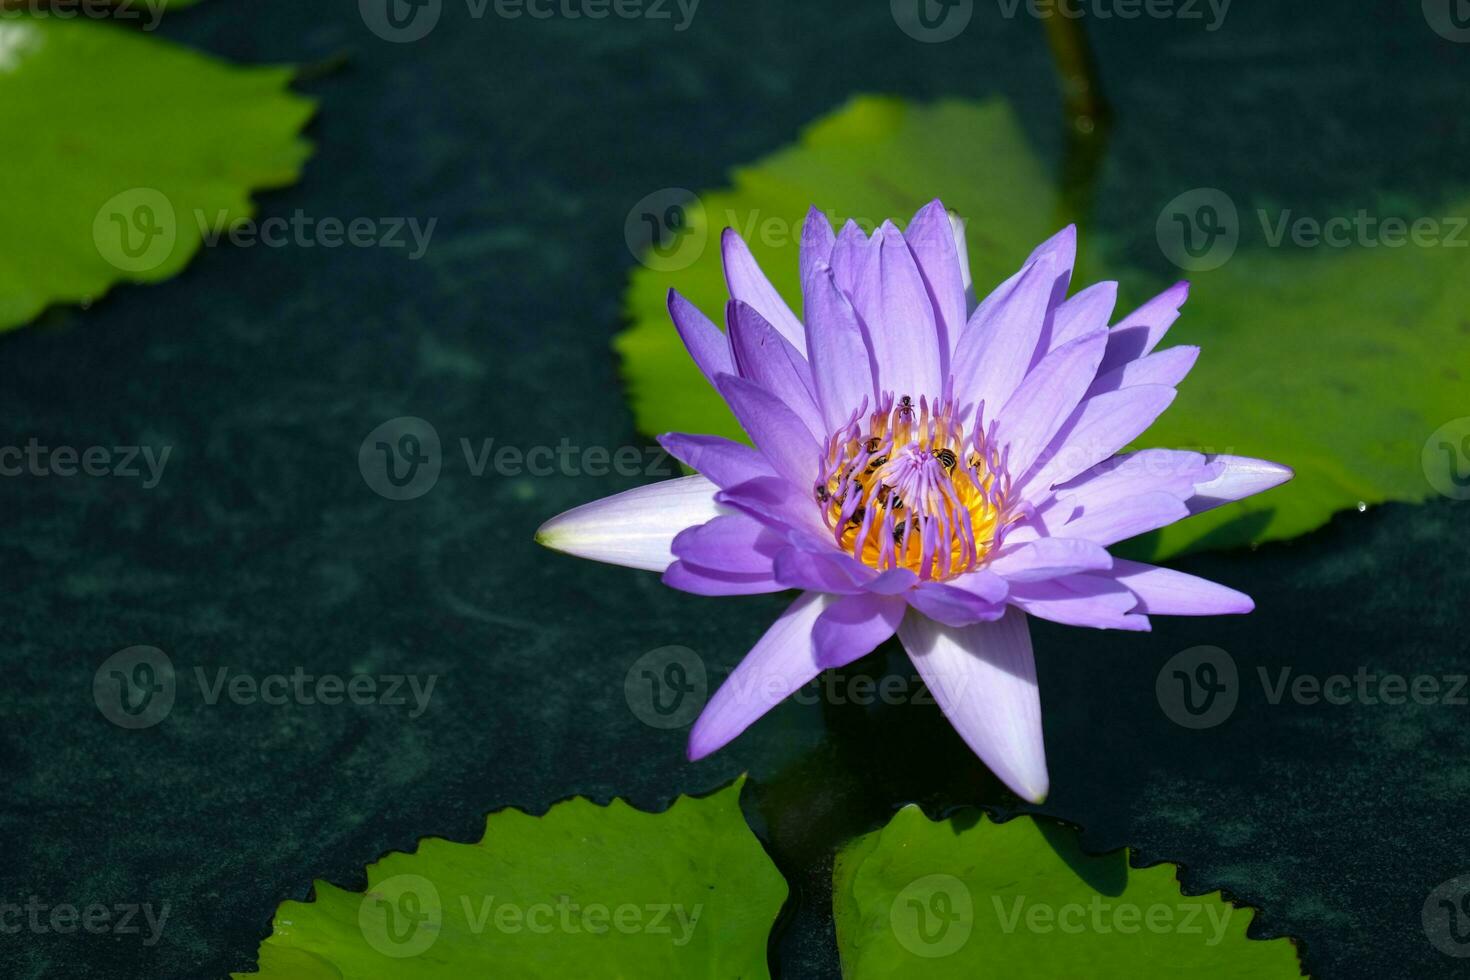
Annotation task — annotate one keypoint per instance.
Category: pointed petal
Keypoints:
(726, 462)
(1122, 519)
(1172, 471)
(780, 662)
(1100, 427)
(931, 237)
(765, 357)
(1165, 592)
(984, 678)
(775, 429)
(842, 368)
(850, 256)
(1139, 332)
(706, 343)
(1239, 477)
(897, 317)
(996, 347)
(1082, 600)
(635, 528)
(1166, 367)
(1084, 313)
(1049, 558)
(749, 285)
(1046, 398)
(817, 242)
(854, 626)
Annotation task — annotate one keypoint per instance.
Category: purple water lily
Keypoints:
(923, 466)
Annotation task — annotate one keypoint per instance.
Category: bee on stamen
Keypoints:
(946, 458)
(858, 515)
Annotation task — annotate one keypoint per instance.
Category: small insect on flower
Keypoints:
(926, 466)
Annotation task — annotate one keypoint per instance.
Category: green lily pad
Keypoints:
(968, 898)
(129, 149)
(585, 890)
(1337, 362)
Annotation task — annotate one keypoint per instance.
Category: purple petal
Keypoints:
(1165, 592)
(842, 369)
(984, 678)
(687, 577)
(1083, 314)
(706, 343)
(817, 242)
(1099, 427)
(853, 626)
(1114, 480)
(897, 317)
(1046, 398)
(1081, 600)
(635, 528)
(729, 543)
(726, 462)
(820, 571)
(762, 355)
(1049, 558)
(776, 502)
(850, 256)
(1118, 520)
(776, 430)
(1239, 477)
(1139, 332)
(997, 345)
(780, 662)
(971, 598)
(931, 238)
(749, 285)
(1167, 367)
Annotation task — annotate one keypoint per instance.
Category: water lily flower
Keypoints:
(925, 466)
